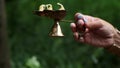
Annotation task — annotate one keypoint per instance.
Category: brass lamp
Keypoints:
(57, 16)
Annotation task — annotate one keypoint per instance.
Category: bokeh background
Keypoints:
(31, 47)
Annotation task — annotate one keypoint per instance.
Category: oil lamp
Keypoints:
(56, 15)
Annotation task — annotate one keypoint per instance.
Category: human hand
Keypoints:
(97, 31)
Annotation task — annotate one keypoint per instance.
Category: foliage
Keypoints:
(28, 35)
(33, 63)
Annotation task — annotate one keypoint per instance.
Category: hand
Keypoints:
(97, 31)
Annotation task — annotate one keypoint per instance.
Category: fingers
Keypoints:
(88, 21)
(76, 35)
(73, 27)
(80, 25)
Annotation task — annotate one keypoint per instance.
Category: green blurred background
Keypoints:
(28, 35)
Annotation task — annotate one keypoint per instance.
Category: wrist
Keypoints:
(117, 37)
(115, 47)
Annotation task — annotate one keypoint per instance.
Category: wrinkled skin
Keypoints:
(97, 33)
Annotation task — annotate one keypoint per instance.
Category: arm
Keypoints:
(115, 48)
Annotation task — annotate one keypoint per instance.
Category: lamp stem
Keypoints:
(69, 21)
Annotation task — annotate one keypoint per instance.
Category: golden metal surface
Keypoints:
(56, 30)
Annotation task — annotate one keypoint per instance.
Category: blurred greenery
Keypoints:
(28, 35)
(33, 62)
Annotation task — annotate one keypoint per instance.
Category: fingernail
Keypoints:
(80, 16)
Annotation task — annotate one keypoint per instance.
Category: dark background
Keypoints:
(28, 35)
